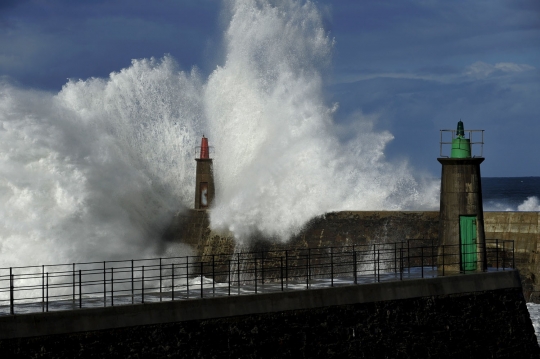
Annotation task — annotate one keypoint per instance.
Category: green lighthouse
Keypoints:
(461, 218)
(461, 146)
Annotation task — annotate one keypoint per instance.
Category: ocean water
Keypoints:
(511, 193)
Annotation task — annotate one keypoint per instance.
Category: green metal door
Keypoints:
(467, 229)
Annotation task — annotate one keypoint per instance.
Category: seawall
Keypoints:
(365, 227)
(478, 315)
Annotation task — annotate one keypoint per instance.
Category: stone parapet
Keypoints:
(477, 315)
(368, 227)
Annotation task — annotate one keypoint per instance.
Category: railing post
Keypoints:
(42, 288)
(213, 276)
(255, 276)
(142, 285)
(432, 257)
(47, 291)
(503, 256)
(401, 263)
(172, 281)
(443, 260)
(497, 254)
(513, 256)
(281, 271)
(73, 280)
(309, 264)
(80, 289)
(187, 276)
(409, 258)
(331, 266)
(104, 286)
(286, 268)
(307, 271)
(202, 278)
(11, 299)
(112, 287)
(395, 257)
(378, 265)
(229, 277)
(160, 282)
(132, 285)
(238, 271)
(262, 269)
(374, 263)
(422, 260)
(354, 268)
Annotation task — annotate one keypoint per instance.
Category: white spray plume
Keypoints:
(92, 173)
(96, 171)
(530, 204)
(279, 161)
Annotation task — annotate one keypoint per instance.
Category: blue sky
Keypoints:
(416, 66)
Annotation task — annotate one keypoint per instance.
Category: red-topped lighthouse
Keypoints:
(204, 182)
(205, 150)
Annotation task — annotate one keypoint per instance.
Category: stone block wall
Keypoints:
(524, 229)
(366, 227)
(488, 324)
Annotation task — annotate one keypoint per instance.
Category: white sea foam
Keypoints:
(279, 159)
(530, 204)
(92, 173)
(534, 312)
(96, 171)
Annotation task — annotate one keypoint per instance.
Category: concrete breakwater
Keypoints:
(481, 315)
(368, 227)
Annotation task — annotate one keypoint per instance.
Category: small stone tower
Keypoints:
(461, 232)
(204, 180)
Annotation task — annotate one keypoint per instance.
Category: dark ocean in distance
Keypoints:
(511, 193)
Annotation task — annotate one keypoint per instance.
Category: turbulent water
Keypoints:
(96, 171)
(511, 193)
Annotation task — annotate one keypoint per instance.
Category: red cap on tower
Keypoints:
(205, 152)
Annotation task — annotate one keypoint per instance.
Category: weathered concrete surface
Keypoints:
(365, 227)
(524, 229)
(332, 229)
(478, 315)
(461, 195)
(38, 324)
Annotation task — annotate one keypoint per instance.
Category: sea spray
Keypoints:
(279, 160)
(97, 171)
(530, 204)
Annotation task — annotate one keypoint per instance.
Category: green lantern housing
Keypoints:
(461, 146)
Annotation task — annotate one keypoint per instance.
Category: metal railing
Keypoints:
(101, 284)
(197, 151)
(469, 134)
